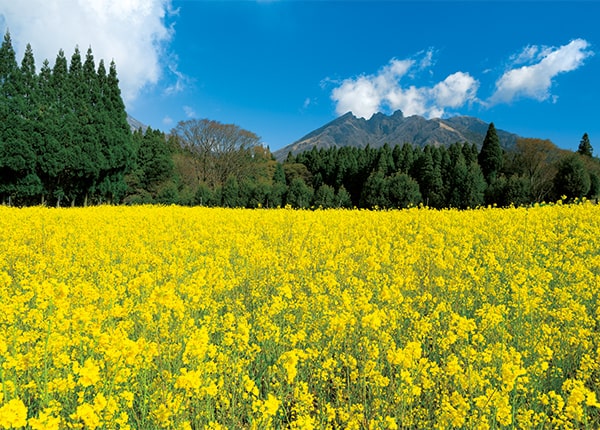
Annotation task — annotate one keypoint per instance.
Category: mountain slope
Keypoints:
(395, 129)
(135, 125)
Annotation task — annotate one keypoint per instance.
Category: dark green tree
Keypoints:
(204, 196)
(518, 191)
(255, 193)
(572, 179)
(430, 180)
(375, 193)
(19, 183)
(405, 158)
(467, 186)
(276, 195)
(470, 152)
(515, 190)
(343, 198)
(594, 191)
(29, 188)
(60, 127)
(152, 166)
(50, 164)
(116, 144)
(83, 137)
(491, 156)
(231, 193)
(325, 197)
(585, 147)
(299, 194)
(385, 161)
(403, 191)
(8, 163)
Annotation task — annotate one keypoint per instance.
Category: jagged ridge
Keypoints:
(395, 129)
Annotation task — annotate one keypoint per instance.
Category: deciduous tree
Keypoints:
(221, 150)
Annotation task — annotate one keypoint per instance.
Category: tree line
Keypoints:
(460, 175)
(65, 139)
(64, 136)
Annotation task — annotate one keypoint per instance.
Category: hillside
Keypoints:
(135, 125)
(395, 129)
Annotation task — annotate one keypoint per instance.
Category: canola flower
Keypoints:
(181, 318)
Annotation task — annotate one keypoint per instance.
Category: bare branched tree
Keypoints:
(220, 150)
(536, 159)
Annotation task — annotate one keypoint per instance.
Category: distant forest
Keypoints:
(65, 140)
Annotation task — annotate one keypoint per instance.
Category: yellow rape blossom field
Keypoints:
(196, 318)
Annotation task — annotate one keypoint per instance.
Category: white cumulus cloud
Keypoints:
(384, 91)
(133, 33)
(535, 80)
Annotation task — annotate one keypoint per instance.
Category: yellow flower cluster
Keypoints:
(181, 318)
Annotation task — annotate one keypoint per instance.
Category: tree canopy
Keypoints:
(64, 136)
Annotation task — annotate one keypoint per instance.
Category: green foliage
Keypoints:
(467, 184)
(299, 194)
(63, 132)
(594, 191)
(278, 189)
(325, 196)
(403, 191)
(585, 147)
(515, 191)
(343, 198)
(429, 176)
(152, 164)
(19, 183)
(491, 158)
(375, 193)
(231, 193)
(572, 179)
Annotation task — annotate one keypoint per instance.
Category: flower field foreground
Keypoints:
(189, 318)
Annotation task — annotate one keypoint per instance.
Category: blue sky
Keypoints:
(283, 68)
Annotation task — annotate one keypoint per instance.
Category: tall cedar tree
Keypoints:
(18, 180)
(11, 165)
(279, 188)
(49, 162)
(30, 186)
(491, 156)
(116, 145)
(585, 147)
(430, 178)
(65, 175)
(63, 133)
(84, 150)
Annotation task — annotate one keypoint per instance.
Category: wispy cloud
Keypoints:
(534, 80)
(134, 33)
(189, 111)
(384, 91)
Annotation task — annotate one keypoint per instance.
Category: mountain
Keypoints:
(135, 125)
(395, 129)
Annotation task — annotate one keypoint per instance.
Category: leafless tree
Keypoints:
(220, 150)
(536, 158)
